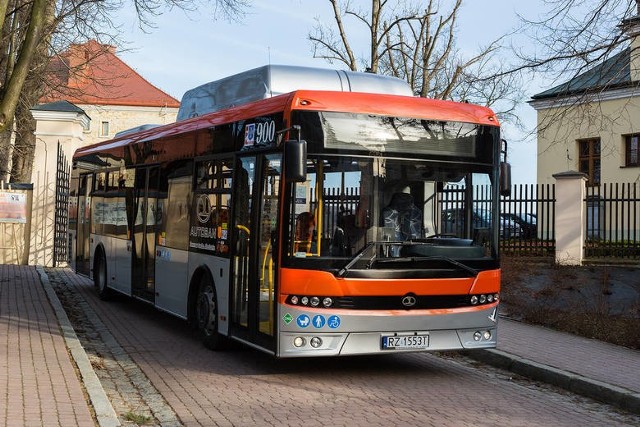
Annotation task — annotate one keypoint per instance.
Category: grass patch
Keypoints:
(570, 299)
(139, 419)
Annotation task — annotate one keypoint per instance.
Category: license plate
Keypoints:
(392, 342)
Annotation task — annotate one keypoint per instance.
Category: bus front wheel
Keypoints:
(100, 276)
(207, 314)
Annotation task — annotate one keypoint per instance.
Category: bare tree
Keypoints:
(583, 49)
(416, 41)
(26, 27)
(573, 35)
(33, 31)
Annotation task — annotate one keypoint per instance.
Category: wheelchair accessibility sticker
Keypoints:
(333, 322)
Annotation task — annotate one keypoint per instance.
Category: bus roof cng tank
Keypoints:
(272, 80)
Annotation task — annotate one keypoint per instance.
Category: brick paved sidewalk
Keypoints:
(40, 386)
(592, 368)
(589, 358)
(38, 382)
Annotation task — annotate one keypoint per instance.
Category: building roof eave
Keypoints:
(579, 98)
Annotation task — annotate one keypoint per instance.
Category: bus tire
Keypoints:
(207, 314)
(100, 276)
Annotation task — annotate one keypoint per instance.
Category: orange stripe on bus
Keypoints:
(309, 282)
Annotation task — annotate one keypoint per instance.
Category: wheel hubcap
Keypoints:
(206, 310)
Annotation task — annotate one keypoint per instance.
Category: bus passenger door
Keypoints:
(83, 249)
(143, 235)
(255, 201)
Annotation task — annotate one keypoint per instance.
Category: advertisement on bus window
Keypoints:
(209, 231)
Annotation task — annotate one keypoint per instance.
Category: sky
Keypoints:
(187, 49)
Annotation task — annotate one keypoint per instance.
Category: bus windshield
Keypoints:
(359, 210)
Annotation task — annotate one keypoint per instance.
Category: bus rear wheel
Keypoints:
(207, 315)
(100, 276)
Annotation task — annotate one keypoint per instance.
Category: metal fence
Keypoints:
(532, 207)
(60, 242)
(526, 217)
(527, 225)
(336, 205)
(613, 221)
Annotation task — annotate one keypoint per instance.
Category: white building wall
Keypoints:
(561, 123)
(122, 118)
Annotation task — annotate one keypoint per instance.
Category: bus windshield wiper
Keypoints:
(343, 271)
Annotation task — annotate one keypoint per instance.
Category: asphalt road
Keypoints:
(152, 365)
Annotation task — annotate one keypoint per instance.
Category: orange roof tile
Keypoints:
(91, 73)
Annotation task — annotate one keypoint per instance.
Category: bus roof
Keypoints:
(273, 80)
(311, 100)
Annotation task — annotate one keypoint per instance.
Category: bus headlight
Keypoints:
(316, 342)
(483, 299)
(315, 301)
(299, 341)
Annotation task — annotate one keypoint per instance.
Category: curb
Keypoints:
(105, 413)
(610, 394)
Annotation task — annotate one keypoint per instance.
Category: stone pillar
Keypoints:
(57, 122)
(570, 217)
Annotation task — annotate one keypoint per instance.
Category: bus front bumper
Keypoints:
(308, 334)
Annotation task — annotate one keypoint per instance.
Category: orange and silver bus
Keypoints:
(308, 223)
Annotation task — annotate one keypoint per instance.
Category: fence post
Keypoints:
(570, 217)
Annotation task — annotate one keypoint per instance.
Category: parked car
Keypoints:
(526, 221)
(453, 223)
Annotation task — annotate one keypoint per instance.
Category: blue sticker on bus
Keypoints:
(318, 321)
(333, 322)
(303, 320)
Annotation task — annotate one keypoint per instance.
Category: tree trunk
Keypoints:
(13, 86)
(24, 147)
(5, 153)
(25, 144)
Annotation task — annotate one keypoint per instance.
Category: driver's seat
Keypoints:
(403, 217)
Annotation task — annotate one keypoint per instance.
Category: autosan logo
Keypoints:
(203, 208)
(409, 300)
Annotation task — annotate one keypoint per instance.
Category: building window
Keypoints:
(632, 150)
(104, 129)
(589, 159)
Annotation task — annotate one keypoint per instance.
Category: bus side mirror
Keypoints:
(295, 158)
(505, 171)
(505, 179)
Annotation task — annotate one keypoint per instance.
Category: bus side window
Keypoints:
(210, 203)
(175, 185)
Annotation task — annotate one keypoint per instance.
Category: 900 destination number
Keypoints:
(393, 342)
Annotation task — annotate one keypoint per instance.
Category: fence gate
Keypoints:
(63, 172)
